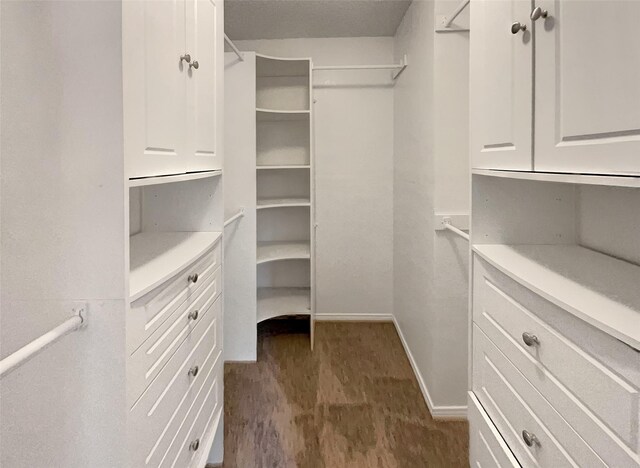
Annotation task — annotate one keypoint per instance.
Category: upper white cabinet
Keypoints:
(580, 81)
(169, 67)
(201, 90)
(587, 80)
(501, 81)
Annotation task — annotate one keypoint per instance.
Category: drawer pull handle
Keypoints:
(538, 13)
(193, 315)
(193, 278)
(193, 371)
(195, 445)
(530, 339)
(517, 27)
(530, 439)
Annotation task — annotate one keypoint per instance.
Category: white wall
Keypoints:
(240, 300)
(606, 222)
(62, 216)
(354, 172)
(432, 176)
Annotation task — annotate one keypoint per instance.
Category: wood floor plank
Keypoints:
(353, 402)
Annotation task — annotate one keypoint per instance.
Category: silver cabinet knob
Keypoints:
(517, 27)
(185, 58)
(193, 315)
(530, 339)
(194, 445)
(193, 278)
(195, 65)
(538, 13)
(194, 371)
(530, 439)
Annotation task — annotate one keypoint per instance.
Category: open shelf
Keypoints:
(268, 66)
(276, 302)
(157, 256)
(599, 289)
(276, 115)
(282, 202)
(167, 179)
(583, 179)
(283, 250)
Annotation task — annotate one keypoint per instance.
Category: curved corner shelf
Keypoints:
(282, 203)
(277, 302)
(167, 179)
(283, 250)
(268, 66)
(276, 114)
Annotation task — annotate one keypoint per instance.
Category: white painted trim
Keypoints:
(354, 318)
(437, 412)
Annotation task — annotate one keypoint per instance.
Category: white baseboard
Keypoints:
(437, 412)
(354, 317)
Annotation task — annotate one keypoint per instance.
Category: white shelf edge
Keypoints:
(283, 111)
(201, 242)
(282, 203)
(299, 250)
(583, 179)
(617, 325)
(284, 59)
(156, 180)
(285, 166)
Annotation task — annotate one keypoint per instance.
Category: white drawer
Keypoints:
(210, 393)
(156, 416)
(151, 310)
(515, 406)
(148, 360)
(588, 373)
(202, 421)
(487, 449)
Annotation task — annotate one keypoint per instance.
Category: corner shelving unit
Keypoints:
(285, 192)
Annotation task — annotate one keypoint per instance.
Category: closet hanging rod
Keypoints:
(235, 217)
(233, 47)
(400, 67)
(451, 18)
(29, 350)
(452, 228)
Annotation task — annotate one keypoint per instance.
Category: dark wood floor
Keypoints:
(353, 402)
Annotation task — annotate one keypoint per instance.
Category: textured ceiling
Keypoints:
(282, 19)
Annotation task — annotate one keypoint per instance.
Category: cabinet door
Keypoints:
(203, 34)
(501, 85)
(588, 87)
(154, 87)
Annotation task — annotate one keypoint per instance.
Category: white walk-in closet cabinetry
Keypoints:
(170, 77)
(173, 64)
(555, 309)
(554, 86)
